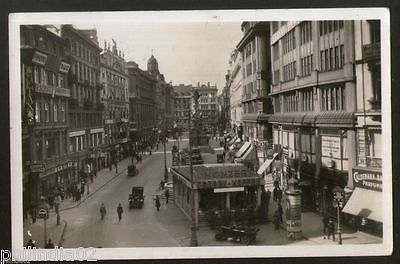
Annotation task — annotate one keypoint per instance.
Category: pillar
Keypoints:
(228, 200)
(293, 215)
(351, 155)
(196, 206)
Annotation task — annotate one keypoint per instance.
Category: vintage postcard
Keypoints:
(183, 134)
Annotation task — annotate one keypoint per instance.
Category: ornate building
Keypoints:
(114, 96)
(235, 91)
(182, 100)
(208, 105)
(142, 105)
(86, 134)
(255, 81)
(45, 91)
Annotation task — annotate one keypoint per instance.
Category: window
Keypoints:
(63, 113)
(332, 99)
(290, 102)
(36, 74)
(288, 42)
(306, 65)
(55, 112)
(289, 71)
(277, 104)
(332, 58)
(308, 102)
(248, 50)
(276, 77)
(37, 112)
(46, 112)
(326, 27)
(305, 32)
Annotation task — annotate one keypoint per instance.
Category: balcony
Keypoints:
(52, 90)
(371, 51)
(369, 162)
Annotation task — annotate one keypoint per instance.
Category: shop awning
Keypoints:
(335, 118)
(242, 150)
(247, 153)
(365, 203)
(266, 164)
(293, 118)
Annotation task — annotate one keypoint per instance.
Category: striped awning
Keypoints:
(336, 118)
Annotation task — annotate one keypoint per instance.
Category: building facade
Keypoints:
(255, 82)
(114, 96)
(86, 131)
(208, 105)
(366, 172)
(235, 92)
(142, 105)
(45, 91)
(182, 101)
(313, 92)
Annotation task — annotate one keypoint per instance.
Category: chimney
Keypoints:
(198, 84)
(208, 84)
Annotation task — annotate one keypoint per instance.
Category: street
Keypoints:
(138, 227)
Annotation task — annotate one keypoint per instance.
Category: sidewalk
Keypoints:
(56, 232)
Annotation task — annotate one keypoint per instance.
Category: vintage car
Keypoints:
(243, 234)
(136, 198)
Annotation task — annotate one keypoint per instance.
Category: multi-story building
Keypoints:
(182, 100)
(86, 134)
(235, 92)
(367, 170)
(208, 105)
(47, 168)
(169, 104)
(314, 97)
(161, 87)
(114, 96)
(256, 103)
(142, 105)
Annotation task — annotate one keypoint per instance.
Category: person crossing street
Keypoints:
(120, 210)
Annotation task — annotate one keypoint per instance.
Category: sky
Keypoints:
(187, 53)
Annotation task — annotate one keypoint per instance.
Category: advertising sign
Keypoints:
(330, 146)
(366, 179)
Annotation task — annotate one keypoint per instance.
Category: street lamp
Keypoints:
(338, 197)
(193, 237)
(165, 154)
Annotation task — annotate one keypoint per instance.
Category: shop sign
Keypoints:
(41, 167)
(39, 58)
(366, 179)
(330, 146)
(64, 67)
(232, 189)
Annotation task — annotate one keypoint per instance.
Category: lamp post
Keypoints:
(193, 234)
(338, 197)
(165, 154)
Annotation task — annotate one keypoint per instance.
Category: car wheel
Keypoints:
(245, 239)
(219, 237)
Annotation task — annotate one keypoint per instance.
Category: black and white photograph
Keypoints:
(189, 134)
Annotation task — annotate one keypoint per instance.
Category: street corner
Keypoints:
(38, 232)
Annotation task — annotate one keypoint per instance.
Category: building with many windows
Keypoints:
(114, 96)
(366, 172)
(208, 104)
(234, 84)
(142, 105)
(182, 100)
(86, 134)
(255, 82)
(314, 97)
(47, 168)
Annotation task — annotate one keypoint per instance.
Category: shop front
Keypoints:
(363, 209)
(217, 187)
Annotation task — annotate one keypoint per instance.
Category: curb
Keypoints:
(87, 197)
(62, 233)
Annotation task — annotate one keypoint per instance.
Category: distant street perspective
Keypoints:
(285, 151)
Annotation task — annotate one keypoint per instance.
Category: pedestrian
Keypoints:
(278, 195)
(158, 203)
(279, 212)
(116, 166)
(78, 196)
(276, 221)
(30, 244)
(157, 145)
(49, 244)
(103, 211)
(166, 195)
(120, 210)
(325, 221)
(331, 229)
(110, 166)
